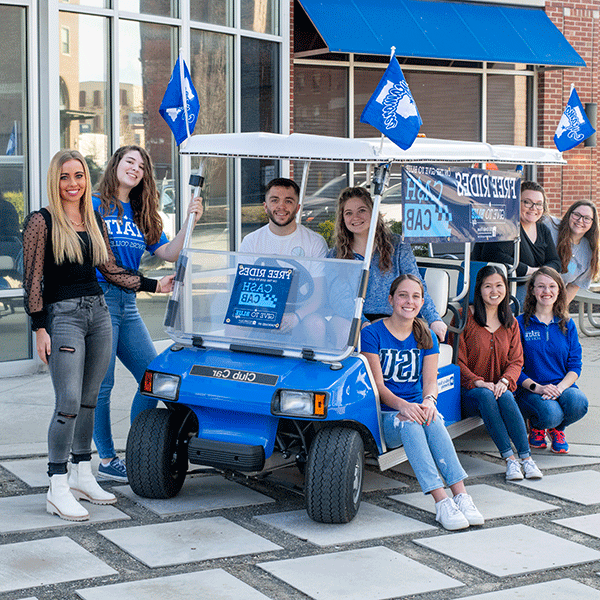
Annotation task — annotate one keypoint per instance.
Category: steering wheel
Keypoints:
(302, 286)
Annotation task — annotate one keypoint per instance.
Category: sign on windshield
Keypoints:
(459, 204)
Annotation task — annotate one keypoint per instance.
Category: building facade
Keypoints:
(90, 74)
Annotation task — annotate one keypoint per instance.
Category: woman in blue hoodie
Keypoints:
(547, 394)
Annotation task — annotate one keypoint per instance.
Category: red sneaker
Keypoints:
(537, 438)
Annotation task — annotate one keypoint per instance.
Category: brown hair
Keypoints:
(344, 238)
(420, 328)
(66, 243)
(564, 246)
(536, 187)
(560, 308)
(143, 197)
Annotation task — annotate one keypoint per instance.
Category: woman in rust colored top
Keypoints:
(490, 357)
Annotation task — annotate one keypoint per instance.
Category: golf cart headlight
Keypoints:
(302, 404)
(161, 385)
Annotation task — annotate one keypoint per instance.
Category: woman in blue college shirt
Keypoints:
(403, 355)
(127, 199)
(547, 394)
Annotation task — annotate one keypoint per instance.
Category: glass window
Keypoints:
(449, 103)
(84, 74)
(261, 16)
(162, 8)
(259, 85)
(94, 3)
(219, 12)
(146, 60)
(507, 110)
(14, 196)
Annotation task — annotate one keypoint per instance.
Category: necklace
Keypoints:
(76, 224)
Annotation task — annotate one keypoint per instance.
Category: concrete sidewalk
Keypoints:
(225, 537)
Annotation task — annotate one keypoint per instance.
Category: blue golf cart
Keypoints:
(243, 393)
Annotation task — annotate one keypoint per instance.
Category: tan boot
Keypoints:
(60, 501)
(85, 487)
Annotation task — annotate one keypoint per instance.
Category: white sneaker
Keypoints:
(465, 504)
(531, 469)
(513, 470)
(449, 516)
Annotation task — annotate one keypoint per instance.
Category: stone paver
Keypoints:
(562, 589)
(492, 502)
(28, 513)
(187, 541)
(33, 471)
(200, 493)
(474, 467)
(208, 585)
(548, 460)
(582, 487)
(511, 550)
(43, 562)
(371, 522)
(374, 573)
(589, 524)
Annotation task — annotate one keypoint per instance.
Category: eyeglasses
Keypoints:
(579, 217)
(536, 205)
(542, 288)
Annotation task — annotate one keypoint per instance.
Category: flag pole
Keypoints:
(392, 54)
(183, 94)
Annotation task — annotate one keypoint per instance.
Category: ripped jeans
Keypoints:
(428, 449)
(80, 335)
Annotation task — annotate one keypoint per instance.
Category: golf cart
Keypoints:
(245, 393)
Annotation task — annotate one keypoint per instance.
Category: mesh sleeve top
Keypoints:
(46, 282)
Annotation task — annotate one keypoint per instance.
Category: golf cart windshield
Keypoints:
(293, 306)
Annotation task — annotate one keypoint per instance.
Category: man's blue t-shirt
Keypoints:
(126, 239)
(401, 361)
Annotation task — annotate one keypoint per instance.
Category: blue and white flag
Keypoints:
(392, 109)
(573, 126)
(11, 147)
(180, 117)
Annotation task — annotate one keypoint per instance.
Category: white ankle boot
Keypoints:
(85, 487)
(60, 501)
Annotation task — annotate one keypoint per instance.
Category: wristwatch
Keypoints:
(532, 386)
(504, 381)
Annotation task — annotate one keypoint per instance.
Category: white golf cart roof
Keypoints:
(305, 147)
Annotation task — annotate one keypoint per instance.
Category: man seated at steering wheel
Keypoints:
(282, 235)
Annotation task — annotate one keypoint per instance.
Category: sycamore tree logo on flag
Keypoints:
(391, 108)
(570, 122)
(396, 100)
(190, 96)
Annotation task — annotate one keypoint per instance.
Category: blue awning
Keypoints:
(442, 30)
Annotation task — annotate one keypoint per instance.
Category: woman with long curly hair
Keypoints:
(63, 245)
(548, 395)
(577, 244)
(391, 256)
(127, 199)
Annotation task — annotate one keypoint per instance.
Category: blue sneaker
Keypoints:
(114, 470)
(559, 443)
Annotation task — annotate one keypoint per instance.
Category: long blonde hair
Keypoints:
(66, 242)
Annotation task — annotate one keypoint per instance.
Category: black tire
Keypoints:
(334, 475)
(157, 459)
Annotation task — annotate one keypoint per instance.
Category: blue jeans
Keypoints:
(132, 343)
(427, 448)
(570, 406)
(502, 419)
(80, 334)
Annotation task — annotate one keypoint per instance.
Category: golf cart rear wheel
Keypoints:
(334, 475)
(157, 459)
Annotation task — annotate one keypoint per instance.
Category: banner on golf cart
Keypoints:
(259, 296)
(459, 204)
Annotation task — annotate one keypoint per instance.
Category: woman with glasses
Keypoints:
(547, 393)
(576, 239)
(537, 247)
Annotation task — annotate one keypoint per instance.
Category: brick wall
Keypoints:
(579, 22)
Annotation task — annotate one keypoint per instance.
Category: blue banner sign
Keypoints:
(443, 204)
(259, 296)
